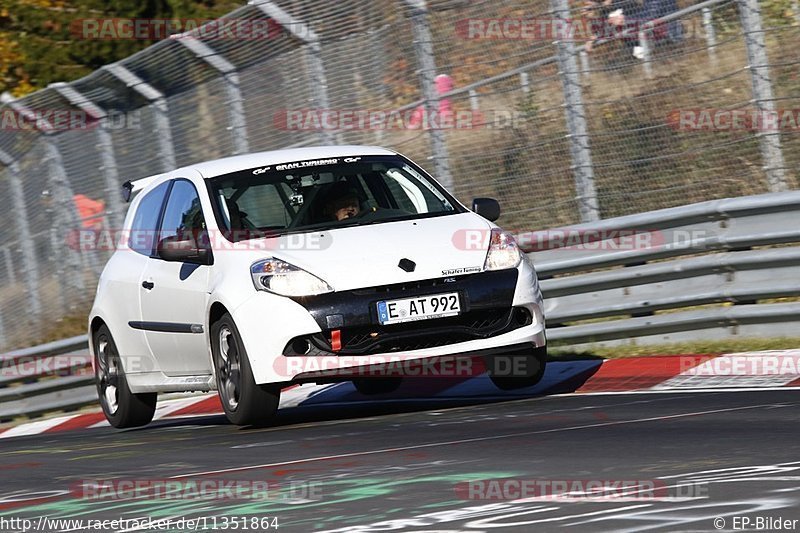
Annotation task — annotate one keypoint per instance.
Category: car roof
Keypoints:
(226, 165)
(218, 167)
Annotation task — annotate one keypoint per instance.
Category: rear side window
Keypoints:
(145, 222)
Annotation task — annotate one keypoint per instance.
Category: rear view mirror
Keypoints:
(182, 251)
(488, 208)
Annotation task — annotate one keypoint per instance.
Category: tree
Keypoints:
(41, 40)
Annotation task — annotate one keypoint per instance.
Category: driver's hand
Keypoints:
(346, 212)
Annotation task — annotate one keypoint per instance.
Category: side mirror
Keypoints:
(488, 208)
(182, 251)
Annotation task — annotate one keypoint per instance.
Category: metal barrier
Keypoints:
(56, 376)
(642, 278)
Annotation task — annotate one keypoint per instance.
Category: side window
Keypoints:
(183, 217)
(145, 221)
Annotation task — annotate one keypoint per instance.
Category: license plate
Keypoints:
(418, 308)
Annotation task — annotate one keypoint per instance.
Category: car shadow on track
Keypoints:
(341, 401)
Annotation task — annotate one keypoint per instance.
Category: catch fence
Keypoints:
(495, 98)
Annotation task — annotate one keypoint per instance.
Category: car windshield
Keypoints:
(325, 194)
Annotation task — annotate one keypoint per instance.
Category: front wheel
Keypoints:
(245, 403)
(122, 408)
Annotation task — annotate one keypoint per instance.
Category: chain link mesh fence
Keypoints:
(558, 131)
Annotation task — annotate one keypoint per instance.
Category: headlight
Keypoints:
(503, 252)
(285, 279)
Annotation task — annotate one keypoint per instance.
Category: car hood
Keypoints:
(368, 256)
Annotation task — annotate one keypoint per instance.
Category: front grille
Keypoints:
(371, 339)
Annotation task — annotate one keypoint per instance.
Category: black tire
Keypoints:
(245, 403)
(532, 366)
(372, 386)
(122, 408)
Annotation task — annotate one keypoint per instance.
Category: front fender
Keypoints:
(266, 323)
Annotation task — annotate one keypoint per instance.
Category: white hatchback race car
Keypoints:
(253, 272)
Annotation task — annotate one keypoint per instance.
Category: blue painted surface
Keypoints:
(559, 377)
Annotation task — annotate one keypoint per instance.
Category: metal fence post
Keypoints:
(58, 269)
(29, 265)
(114, 207)
(578, 135)
(66, 215)
(316, 67)
(236, 112)
(474, 103)
(3, 338)
(585, 64)
(116, 210)
(525, 82)
(711, 34)
(67, 218)
(647, 53)
(163, 132)
(763, 97)
(11, 278)
(9, 261)
(423, 46)
(238, 122)
(319, 87)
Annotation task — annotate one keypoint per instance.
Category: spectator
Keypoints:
(654, 9)
(616, 15)
(609, 17)
(444, 84)
(91, 212)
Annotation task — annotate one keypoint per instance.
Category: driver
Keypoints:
(341, 202)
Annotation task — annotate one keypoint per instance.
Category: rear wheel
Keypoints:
(245, 403)
(122, 408)
(517, 371)
(371, 386)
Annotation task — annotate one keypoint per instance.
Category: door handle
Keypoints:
(148, 285)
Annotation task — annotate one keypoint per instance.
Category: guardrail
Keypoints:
(56, 376)
(636, 278)
(701, 271)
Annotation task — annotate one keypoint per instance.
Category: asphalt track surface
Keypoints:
(403, 467)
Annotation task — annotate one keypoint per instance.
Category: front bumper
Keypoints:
(486, 311)
(499, 309)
